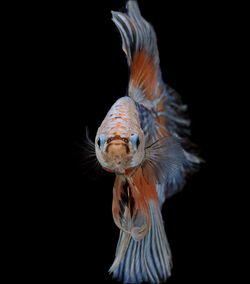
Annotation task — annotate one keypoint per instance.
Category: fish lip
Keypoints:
(117, 137)
(122, 143)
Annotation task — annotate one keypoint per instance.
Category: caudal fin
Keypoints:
(147, 260)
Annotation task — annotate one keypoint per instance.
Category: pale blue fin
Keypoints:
(148, 260)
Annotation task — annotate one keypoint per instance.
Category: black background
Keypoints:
(77, 70)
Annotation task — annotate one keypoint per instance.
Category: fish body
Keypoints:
(144, 140)
(121, 124)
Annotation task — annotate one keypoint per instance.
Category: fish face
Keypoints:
(116, 153)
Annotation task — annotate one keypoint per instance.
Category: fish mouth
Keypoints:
(117, 144)
(117, 137)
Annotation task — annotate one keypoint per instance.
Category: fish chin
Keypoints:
(119, 164)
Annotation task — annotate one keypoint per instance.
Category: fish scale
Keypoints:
(122, 119)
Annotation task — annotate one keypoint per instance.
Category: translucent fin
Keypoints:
(166, 163)
(130, 208)
(140, 47)
(147, 260)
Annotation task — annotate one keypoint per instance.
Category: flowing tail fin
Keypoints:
(147, 260)
(142, 253)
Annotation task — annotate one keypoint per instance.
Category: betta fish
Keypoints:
(144, 140)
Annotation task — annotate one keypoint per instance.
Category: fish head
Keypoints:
(117, 152)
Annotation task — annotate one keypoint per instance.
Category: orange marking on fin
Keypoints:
(134, 209)
(144, 76)
(144, 73)
(146, 188)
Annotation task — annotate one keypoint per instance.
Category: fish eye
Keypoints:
(99, 142)
(135, 141)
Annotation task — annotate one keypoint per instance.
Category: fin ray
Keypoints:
(147, 260)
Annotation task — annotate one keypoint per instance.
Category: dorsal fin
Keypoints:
(140, 46)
